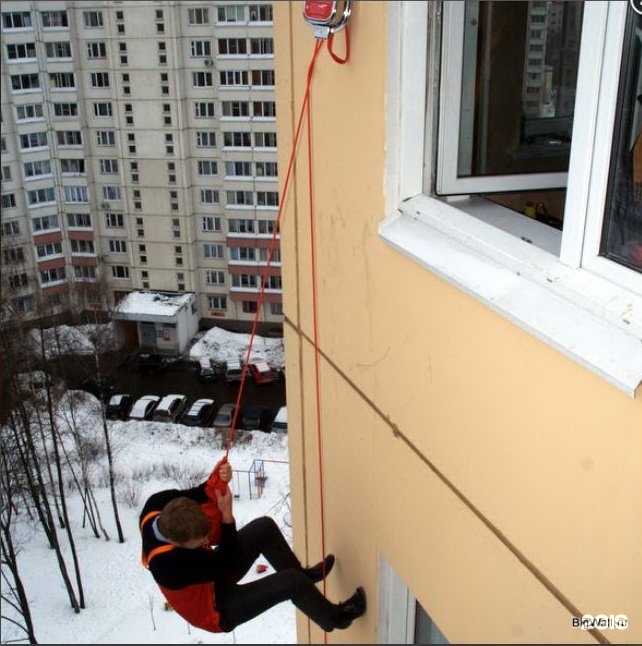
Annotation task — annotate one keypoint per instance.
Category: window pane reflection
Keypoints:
(518, 86)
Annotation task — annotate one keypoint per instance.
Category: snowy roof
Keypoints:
(153, 306)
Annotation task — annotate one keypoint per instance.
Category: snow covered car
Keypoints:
(200, 413)
(143, 407)
(170, 408)
(262, 373)
(280, 422)
(119, 406)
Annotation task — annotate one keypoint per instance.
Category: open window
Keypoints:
(514, 169)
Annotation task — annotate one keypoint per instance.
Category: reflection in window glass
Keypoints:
(622, 236)
(518, 86)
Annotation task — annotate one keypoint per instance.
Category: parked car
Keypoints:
(119, 406)
(170, 408)
(262, 373)
(225, 417)
(280, 421)
(200, 413)
(206, 372)
(143, 407)
(257, 418)
(233, 372)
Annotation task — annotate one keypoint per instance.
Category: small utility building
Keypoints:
(158, 322)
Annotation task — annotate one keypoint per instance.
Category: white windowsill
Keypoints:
(578, 313)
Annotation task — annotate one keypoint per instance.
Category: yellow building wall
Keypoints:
(499, 478)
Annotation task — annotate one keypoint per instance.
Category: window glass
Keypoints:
(622, 235)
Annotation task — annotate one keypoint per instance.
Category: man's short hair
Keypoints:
(182, 520)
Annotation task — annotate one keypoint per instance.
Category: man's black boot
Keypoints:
(319, 571)
(351, 608)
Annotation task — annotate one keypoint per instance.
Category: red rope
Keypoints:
(286, 185)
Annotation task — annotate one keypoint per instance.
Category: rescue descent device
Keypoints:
(326, 17)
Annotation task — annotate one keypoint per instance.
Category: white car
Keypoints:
(143, 407)
(170, 408)
(280, 422)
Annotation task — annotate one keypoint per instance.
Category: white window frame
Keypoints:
(594, 318)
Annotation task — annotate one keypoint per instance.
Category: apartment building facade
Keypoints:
(139, 153)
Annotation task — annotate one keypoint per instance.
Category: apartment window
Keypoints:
(276, 309)
(263, 255)
(99, 79)
(162, 53)
(114, 220)
(24, 304)
(142, 254)
(265, 139)
(240, 225)
(6, 173)
(105, 138)
(180, 281)
(216, 302)
(232, 46)
(239, 198)
(103, 109)
(204, 109)
(245, 254)
(263, 78)
(76, 194)
(133, 168)
(122, 48)
(54, 275)
(37, 168)
(41, 196)
(138, 203)
(274, 282)
(11, 228)
(108, 166)
(82, 246)
(267, 198)
(17, 281)
(261, 13)
(29, 112)
(119, 271)
(207, 167)
(24, 82)
(209, 196)
(202, 79)
(79, 220)
(266, 169)
(213, 250)
(261, 46)
(200, 48)
(65, 110)
(111, 193)
(117, 246)
(265, 109)
(230, 13)
(120, 22)
(198, 16)
(233, 78)
(62, 80)
(92, 19)
(125, 83)
(238, 169)
(8, 200)
(84, 272)
(69, 137)
(235, 108)
(210, 224)
(45, 223)
(50, 249)
(266, 226)
(21, 51)
(16, 20)
(33, 140)
(13, 255)
(54, 19)
(237, 139)
(61, 49)
(245, 280)
(96, 50)
(206, 138)
(214, 277)
(70, 166)
(541, 185)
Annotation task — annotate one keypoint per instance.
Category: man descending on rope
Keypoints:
(197, 557)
